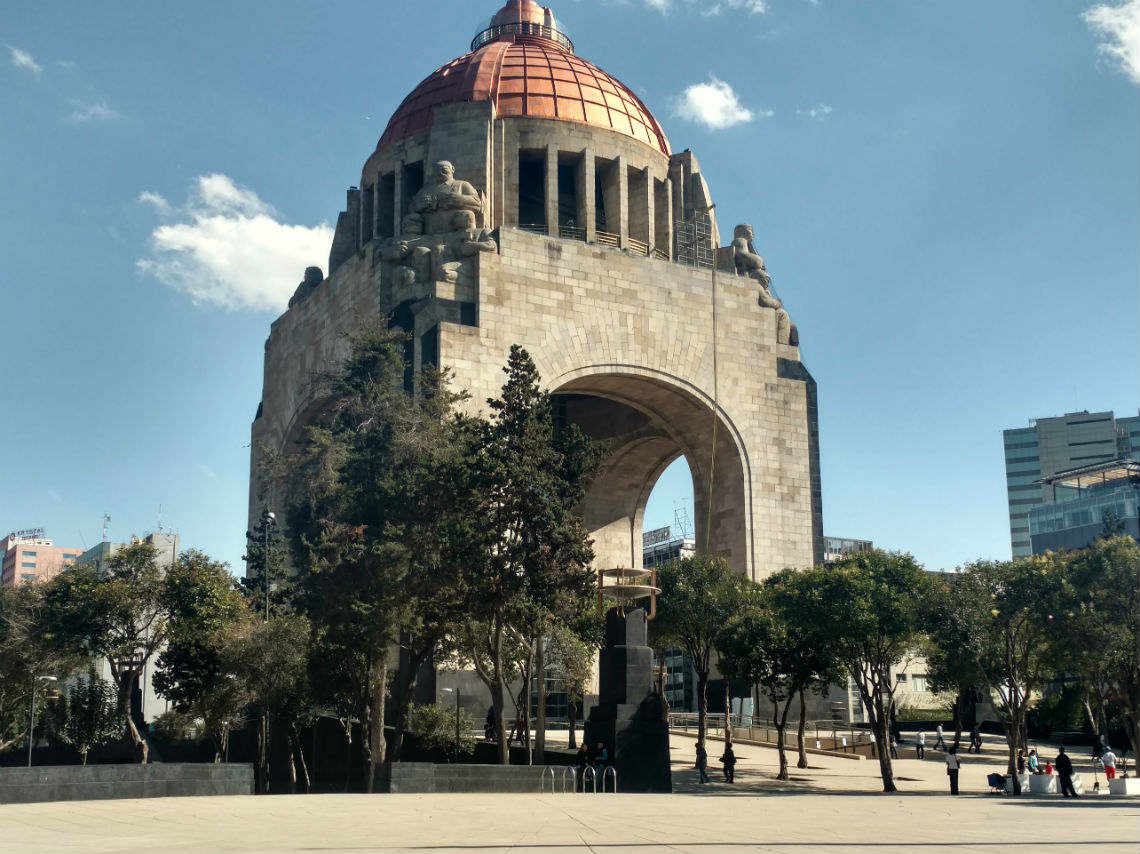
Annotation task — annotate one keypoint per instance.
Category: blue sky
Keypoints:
(946, 195)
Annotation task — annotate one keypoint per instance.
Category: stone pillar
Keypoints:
(398, 199)
(621, 179)
(629, 718)
(551, 193)
(587, 207)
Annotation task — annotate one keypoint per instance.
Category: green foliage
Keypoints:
(870, 607)
(114, 612)
(267, 558)
(699, 595)
(433, 726)
(26, 651)
(92, 718)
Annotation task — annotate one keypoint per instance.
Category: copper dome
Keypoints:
(527, 67)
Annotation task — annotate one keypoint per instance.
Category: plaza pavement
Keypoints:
(834, 806)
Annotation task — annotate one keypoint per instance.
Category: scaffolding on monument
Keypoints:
(694, 242)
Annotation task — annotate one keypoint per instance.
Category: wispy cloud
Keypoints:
(22, 59)
(228, 247)
(97, 111)
(715, 105)
(55, 496)
(751, 7)
(820, 112)
(206, 471)
(1119, 24)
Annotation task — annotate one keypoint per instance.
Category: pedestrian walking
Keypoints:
(1108, 760)
(953, 764)
(894, 748)
(702, 762)
(975, 740)
(920, 744)
(939, 742)
(728, 761)
(1064, 766)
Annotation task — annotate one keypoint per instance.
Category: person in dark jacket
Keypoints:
(1064, 766)
(702, 762)
(729, 763)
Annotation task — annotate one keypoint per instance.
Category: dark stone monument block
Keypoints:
(629, 717)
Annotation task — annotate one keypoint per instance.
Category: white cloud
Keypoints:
(228, 247)
(715, 105)
(96, 112)
(1119, 23)
(23, 59)
(819, 112)
(161, 206)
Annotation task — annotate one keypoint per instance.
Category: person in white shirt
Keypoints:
(939, 742)
(920, 744)
(1108, 760)
(952, 766)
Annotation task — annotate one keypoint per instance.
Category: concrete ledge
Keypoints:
(422, 777)
(100, 782)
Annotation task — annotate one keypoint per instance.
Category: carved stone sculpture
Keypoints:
(440, 234)
(313, 277)
(445, 204)
(749, 263)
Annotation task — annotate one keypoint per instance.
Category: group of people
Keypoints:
(727, 763)
(974, 744)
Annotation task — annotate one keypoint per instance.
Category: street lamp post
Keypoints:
(458, 695)
(270, 518)
(32, 712)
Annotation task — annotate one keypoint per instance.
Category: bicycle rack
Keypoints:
(573, 772)
(542, 780)
(605, 776)
(591, 775)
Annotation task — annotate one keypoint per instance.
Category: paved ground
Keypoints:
(831, 807)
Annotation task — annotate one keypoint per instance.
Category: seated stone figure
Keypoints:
(443, 205)
(749, 263)
(313, 277)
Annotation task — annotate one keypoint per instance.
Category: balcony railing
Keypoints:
(535, 227)
(569, 232)
(637, 247)
(606, 239)
(524, 28)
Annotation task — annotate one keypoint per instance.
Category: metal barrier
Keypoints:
(573, 772)
(605, 776)
(542, 781)
(591, 775)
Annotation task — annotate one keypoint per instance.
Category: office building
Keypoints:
(1050, 446)
(836, 547)
(29, 557)
(1086, 503)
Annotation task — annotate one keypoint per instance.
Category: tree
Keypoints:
(953, 643)
(373, 518)
(776, 643)
(1102, 621)
(1015, 603)
(113, 613)
(26, 652)
(267, 566)
(530, 558)
(92, 718)
(270, 659)
(871, 602)
(572, 657)
(699, 595)
(434, 727)
(203, 607)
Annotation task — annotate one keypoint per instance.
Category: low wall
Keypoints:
(419, 777)
(101, 782)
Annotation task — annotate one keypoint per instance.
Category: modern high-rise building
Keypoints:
(29, 557)
(836, 547)
(1052, 445)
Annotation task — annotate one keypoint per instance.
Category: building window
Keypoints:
(29, 554)
(919, 682)
(532, 190)
(28, 564)
(28, 576)
(901, 677)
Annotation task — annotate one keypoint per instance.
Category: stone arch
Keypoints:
(649, 418)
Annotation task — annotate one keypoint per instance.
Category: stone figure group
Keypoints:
(442, 230)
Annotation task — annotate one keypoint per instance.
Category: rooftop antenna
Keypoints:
(681, 519)
(159, 522)
(106, 525)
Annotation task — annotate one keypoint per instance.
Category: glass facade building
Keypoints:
(1052, 445)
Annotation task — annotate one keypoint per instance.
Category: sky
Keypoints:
(947, 196)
